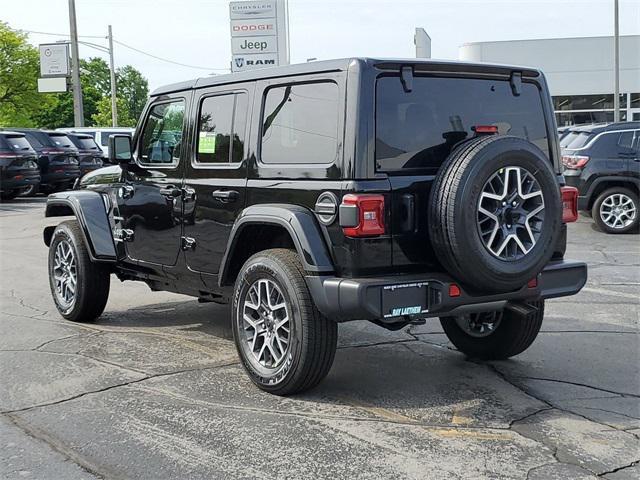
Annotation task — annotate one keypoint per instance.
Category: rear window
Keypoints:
(579, 140)
(18, 142)
(86, 143)
(104, 137)
(418, 129)
(568, 138)
(60, 140)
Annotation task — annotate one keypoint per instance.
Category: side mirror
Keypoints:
(120, 149)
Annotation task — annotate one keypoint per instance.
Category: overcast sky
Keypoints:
(196, 32)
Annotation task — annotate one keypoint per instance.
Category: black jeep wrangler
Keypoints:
(307, 195)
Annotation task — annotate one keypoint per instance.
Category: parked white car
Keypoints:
(101, 135)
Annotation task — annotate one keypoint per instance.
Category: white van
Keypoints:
(100, 134)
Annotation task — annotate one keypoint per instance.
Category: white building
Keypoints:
(579, 72)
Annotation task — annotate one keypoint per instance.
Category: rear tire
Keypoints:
(80, 287)
(511, 336)
(286, 346)
(604, 207)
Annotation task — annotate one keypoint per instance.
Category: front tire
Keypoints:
(493, 335)
(285, 344)
(616, 210)
(80, 287)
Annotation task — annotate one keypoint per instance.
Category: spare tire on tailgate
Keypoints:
(495, 213)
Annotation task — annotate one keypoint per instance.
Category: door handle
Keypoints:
(226, 196)
(170, 191)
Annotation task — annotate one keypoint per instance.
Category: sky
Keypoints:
(196, 32)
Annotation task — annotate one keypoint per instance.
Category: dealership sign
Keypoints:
(54, 60)
(259, 34)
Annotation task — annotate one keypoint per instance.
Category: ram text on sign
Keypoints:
(252, 62)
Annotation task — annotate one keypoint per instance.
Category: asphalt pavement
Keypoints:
(154, 389)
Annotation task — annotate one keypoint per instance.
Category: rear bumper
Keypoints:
(64, 176)
(391, 299)
(15, 184)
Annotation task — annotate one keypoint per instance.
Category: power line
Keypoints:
(132, 48)
(167, 60)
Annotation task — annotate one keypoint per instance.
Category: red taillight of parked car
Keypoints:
(569, 204)
(574, 162)
(369, 217)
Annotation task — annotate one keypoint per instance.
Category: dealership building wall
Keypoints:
(579, 72)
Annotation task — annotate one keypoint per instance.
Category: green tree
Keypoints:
(19, 65)
(133, 88)
(102, 118)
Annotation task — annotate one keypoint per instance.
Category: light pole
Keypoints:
(78, 111)
(114, 108)
(616, 63)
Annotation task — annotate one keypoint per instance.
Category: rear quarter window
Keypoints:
(418, 129)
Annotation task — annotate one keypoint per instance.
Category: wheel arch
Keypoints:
(604, 183)
(260, 227)
(90, 210)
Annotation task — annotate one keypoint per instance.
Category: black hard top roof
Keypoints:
(76, 134)
(342, 64)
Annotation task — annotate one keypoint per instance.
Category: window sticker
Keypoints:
(207, 142)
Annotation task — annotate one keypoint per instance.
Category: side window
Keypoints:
(300, 124)
(221, 125)
(161, 138)
(625, 141)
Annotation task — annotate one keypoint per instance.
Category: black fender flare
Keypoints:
(631, 181)
(90, 210)
(300, 223)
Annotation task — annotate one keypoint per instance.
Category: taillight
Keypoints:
(362, 215)
(569, 204)
(574, 161)
(486, 129)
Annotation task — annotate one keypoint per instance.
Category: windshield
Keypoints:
(104, 137)
(418, 129)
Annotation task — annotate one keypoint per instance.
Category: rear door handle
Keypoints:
(170, 191)
(226, 196)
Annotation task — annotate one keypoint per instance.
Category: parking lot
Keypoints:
(154, 388)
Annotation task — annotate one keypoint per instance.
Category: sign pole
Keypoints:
(78, 112)
(616, 63)
(114, 107)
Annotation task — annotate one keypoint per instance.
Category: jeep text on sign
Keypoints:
(244, 45)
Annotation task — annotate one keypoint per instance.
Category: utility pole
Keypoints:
(114, 108)
(616, 63)
(78, 111)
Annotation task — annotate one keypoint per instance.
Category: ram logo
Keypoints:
(239, 62)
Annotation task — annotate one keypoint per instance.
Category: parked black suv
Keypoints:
(18, 167)
(603, 163)
(57, 158)
(90, 155)
(306, 195)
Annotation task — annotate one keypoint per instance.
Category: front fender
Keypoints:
(302, 226)
(89, 209)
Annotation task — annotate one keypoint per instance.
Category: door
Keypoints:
(150, 200)
(215, 178)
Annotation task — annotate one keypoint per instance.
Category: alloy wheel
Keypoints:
(618, 211)
(65, 274)
(266, 323)
(511, 213)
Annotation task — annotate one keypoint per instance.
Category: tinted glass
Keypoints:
(418, 129)
(162, 135)
(37, 141)
(626, 140)
(300, 124)
(580, 140)
(222, 118)
(18, 143)
(567, 139)
(606, 145)
(104, 137)
(4, 146)
(85, 143)
(60, 140)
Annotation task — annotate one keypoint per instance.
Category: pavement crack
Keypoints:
(578, 384)
(118, 385)
(377, 344)
(615, 470)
